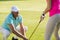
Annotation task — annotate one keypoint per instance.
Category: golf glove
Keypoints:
(42, 17)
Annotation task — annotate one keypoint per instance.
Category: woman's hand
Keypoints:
(42, 17)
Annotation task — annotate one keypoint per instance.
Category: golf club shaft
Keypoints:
(35, 29)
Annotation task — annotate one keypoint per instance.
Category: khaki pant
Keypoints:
(53, 23)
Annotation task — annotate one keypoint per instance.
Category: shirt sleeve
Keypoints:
(9, 21)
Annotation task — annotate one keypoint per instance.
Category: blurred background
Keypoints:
(31, 11)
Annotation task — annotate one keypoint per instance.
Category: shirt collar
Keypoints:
(12, 16)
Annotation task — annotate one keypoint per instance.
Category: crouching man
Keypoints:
(10, 25)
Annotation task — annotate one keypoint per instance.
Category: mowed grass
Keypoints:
(30, 18)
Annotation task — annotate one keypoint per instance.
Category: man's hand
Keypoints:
(42, 17)
(25, 38)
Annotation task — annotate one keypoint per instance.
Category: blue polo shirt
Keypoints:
(11, 20)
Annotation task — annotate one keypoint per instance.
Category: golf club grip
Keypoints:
(34, 30)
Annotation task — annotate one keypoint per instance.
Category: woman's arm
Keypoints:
(46, 10)
(48, 7)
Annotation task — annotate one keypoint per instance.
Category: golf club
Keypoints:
(35, 29)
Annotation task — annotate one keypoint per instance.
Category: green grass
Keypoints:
(30, 17)
(13, 0)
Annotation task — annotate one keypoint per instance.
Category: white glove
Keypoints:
(42, 17)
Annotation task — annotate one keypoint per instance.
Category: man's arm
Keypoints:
(22, 29)
(16, 32)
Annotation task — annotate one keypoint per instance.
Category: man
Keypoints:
(10, 24)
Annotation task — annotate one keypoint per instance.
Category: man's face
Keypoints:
(15, 14)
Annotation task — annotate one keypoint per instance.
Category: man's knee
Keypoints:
(25, 28)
